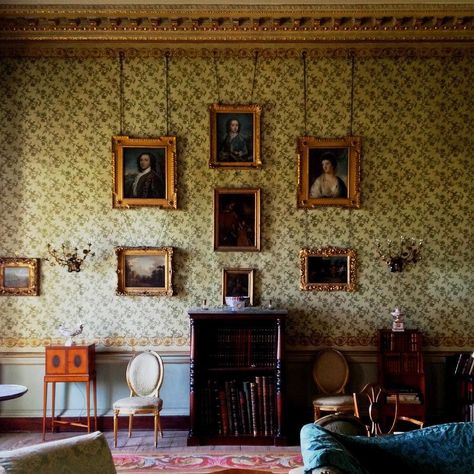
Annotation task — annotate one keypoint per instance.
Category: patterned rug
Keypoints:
(206, 463)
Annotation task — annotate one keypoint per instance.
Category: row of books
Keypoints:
(464, 364)
(467, 412)
(242, 347)
(400, 342)
(406, 365)
(404, 398)
(233, 407)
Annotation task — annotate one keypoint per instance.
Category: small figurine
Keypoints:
(398, 324)
(69, 334)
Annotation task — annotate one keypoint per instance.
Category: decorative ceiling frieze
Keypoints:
(250, 24)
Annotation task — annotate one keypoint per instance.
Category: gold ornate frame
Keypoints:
(32, 287)
(218, 112)
(309, 283)
(235, 222)
(168, 144)
(308, 146)
(248, 273)
(124, 289)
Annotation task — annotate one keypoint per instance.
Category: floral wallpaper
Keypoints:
(413, 112)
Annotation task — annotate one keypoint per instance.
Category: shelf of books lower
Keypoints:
(249, 370)
(209, 439)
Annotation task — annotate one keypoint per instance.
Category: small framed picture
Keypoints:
(237, 219)
(328, 269)
(145, 271)
(329, 172)
(237, 282)
(19, 276)
(235, 136)
(144, 171)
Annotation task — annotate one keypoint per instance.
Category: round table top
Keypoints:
(8, 392)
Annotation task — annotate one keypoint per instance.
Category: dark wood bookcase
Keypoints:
(460, 386)
(236, 376)
(401, 370)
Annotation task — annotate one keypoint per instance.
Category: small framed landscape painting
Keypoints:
(328, 269)
(329, 172)
(145, 271)
(19, 276)
(144, 171)
(237, 282)
(235, 136)
(237, 219)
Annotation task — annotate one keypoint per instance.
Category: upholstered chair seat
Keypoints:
(138, 403)
(342, 402)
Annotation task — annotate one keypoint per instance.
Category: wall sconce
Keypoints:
(408, 251)
(69, 257)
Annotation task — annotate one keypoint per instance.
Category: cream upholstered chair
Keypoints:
(330, 373)
(144, 378)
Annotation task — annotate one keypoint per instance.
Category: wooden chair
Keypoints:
(343, 423)
(331, 373)
(144, 378)
(376, 397)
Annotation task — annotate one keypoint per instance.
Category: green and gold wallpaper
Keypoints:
(412, 110)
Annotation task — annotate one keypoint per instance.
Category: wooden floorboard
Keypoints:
(141, 441)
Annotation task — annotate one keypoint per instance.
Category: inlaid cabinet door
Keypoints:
(77, 361)
(55, 361)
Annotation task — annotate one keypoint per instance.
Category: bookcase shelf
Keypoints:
(460, 386)
(401, 370)
(236, 376)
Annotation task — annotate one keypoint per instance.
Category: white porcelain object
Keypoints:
(237, 302)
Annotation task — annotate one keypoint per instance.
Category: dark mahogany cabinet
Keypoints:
(236, 376)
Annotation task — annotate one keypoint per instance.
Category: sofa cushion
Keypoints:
(88, 453)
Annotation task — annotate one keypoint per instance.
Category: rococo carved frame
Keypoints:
(9, 283)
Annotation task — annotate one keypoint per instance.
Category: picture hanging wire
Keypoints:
(216, 76)
(255, 63)
(167, 91)
(305, 92)
(351, 125)
(121, 59)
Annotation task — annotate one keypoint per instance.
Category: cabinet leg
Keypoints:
(94, 387)
(53, 402)
(45, 405)
(88, 403)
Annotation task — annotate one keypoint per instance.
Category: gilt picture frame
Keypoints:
(145, 271)
(237, 219)
(329, 172)
(238, 282)
(328, 269)
(144, 172)
(19, 276)
(235, 136)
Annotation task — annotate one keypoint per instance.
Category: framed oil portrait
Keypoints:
(19, 276)
(235, 136)
(237, 282)
(328, 269)
(237, 219)
(145, 271)
(144, 171)
(329, 172)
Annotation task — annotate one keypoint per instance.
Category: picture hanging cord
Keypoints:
(216, 75)
(167, 88)
(349, 217)
(305, 93)
(255, 63)
(121, 59)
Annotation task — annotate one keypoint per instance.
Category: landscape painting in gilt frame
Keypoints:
(237, 282)
(237, 219)
(235, 136)
(144, 172)
(329, 172)
(19, 276)
(328, 269)
(144, 271)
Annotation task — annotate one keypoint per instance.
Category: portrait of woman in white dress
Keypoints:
(331, 173)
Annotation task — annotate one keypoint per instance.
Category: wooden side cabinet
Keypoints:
(69, 364)
(237, 376)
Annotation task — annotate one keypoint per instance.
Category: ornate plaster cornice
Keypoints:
(399, 24)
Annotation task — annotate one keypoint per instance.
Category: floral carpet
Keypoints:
(206, 463)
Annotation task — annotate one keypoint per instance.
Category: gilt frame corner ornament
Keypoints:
(235, 136)
(19, 276)
(144, 271)
(328, 269)
(137, 186)
(329, 172)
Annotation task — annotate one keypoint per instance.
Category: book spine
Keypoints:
(254, 405)
(224, 415)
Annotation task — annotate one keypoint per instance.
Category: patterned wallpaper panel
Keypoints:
(57, 117)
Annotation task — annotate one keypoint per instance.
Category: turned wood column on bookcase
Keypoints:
(237, 376)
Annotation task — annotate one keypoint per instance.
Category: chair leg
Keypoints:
(317, 413)
(130, 422)
(115, 428)
(156, 424)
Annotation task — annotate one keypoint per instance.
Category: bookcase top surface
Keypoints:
(244, 312)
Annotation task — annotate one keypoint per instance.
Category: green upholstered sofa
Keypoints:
(440, 449)
(82, 454)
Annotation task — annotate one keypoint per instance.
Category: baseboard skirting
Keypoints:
(104, 423)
